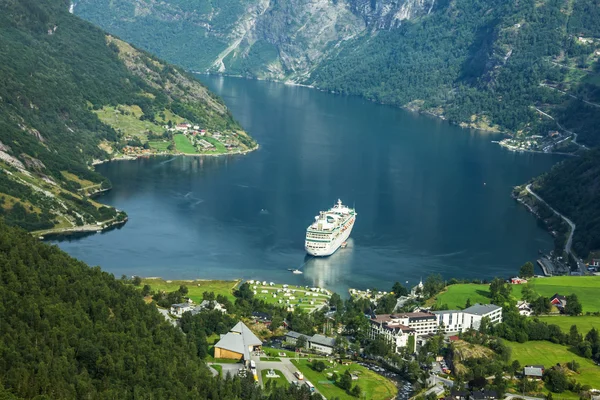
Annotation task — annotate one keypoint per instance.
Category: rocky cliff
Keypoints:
(273, 39)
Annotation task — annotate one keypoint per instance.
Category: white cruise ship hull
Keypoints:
(330, 247)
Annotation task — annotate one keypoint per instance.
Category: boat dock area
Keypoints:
(551, 268)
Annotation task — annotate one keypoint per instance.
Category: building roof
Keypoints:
(411, 316)
(295, 335)
(238, 339)
(181, 305)
(261, 315)
(558, 296)
(482, 309)
(322, 340)
(533, 370)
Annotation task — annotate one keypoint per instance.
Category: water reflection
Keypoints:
(328, 271)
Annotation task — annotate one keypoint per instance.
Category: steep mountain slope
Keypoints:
(60, 77)
(573, 188)
(276, 39)
(488, 64)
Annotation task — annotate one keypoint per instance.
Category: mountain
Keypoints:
(573, 189)
(71, 94)
(527, 68)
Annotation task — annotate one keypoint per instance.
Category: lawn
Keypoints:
(126, 119)
(373, 386)
(159, 145)
(455, 296)
(219, 369)
(549, 354)
(275, 352)
(270, 359)
(585, 287)
(584, 323)
(279, 382)
(302, 297)
(182, 143)
(195, 287)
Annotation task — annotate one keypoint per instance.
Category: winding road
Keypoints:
(572, 225)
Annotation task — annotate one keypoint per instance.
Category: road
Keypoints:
(572, 225)
(518, 396)
(285, 366)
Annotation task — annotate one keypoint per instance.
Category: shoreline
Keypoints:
(407, 107)
(138, 156)
(80, 230)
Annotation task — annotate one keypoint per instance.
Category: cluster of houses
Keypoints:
(558, 301)
(404, 329)
(195, 134)
(178, 309)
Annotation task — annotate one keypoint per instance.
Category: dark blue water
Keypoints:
(430, 197)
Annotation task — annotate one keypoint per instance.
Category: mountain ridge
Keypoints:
(72, 94)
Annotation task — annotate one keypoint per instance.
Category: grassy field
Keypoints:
(279, 382)
(275, 352)
(195, 288)
(299, 296)
(182, 143)
(586, 288)
(549, 354)
(584, 323)
(373, 386)
(270, 359)
(126, 119)
(456, 296)
(159, 145)
(219, 147)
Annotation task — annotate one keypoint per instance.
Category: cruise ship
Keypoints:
(330, 230)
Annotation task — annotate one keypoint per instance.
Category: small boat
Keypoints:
(343, 246)
(297, 271)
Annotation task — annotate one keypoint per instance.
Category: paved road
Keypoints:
(515, 396)
(568, 249)
(165, 314)
(285, 366)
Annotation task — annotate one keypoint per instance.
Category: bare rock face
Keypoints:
(32, 163)
(388, 14)
(302, 33)
(270, 39)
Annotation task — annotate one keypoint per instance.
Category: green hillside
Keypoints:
(486, 64)
(573, 189)
(70, 331)
(58, 73)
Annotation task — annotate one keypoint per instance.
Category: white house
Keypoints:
(179, 309)
(209, 305)
(398, 335)
(469, 318)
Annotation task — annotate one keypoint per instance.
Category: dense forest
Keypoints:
(573, 188)
(479, 61)
(487, 64)
(70, 331)
(56, 71)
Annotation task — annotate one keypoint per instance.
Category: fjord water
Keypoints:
(430, 198)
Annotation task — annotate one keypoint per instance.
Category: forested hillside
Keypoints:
(490, 64)
(573, 188)
(69, 331)
(59, 77)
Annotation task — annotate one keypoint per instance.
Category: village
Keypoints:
(280, 341)
(183, 138)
